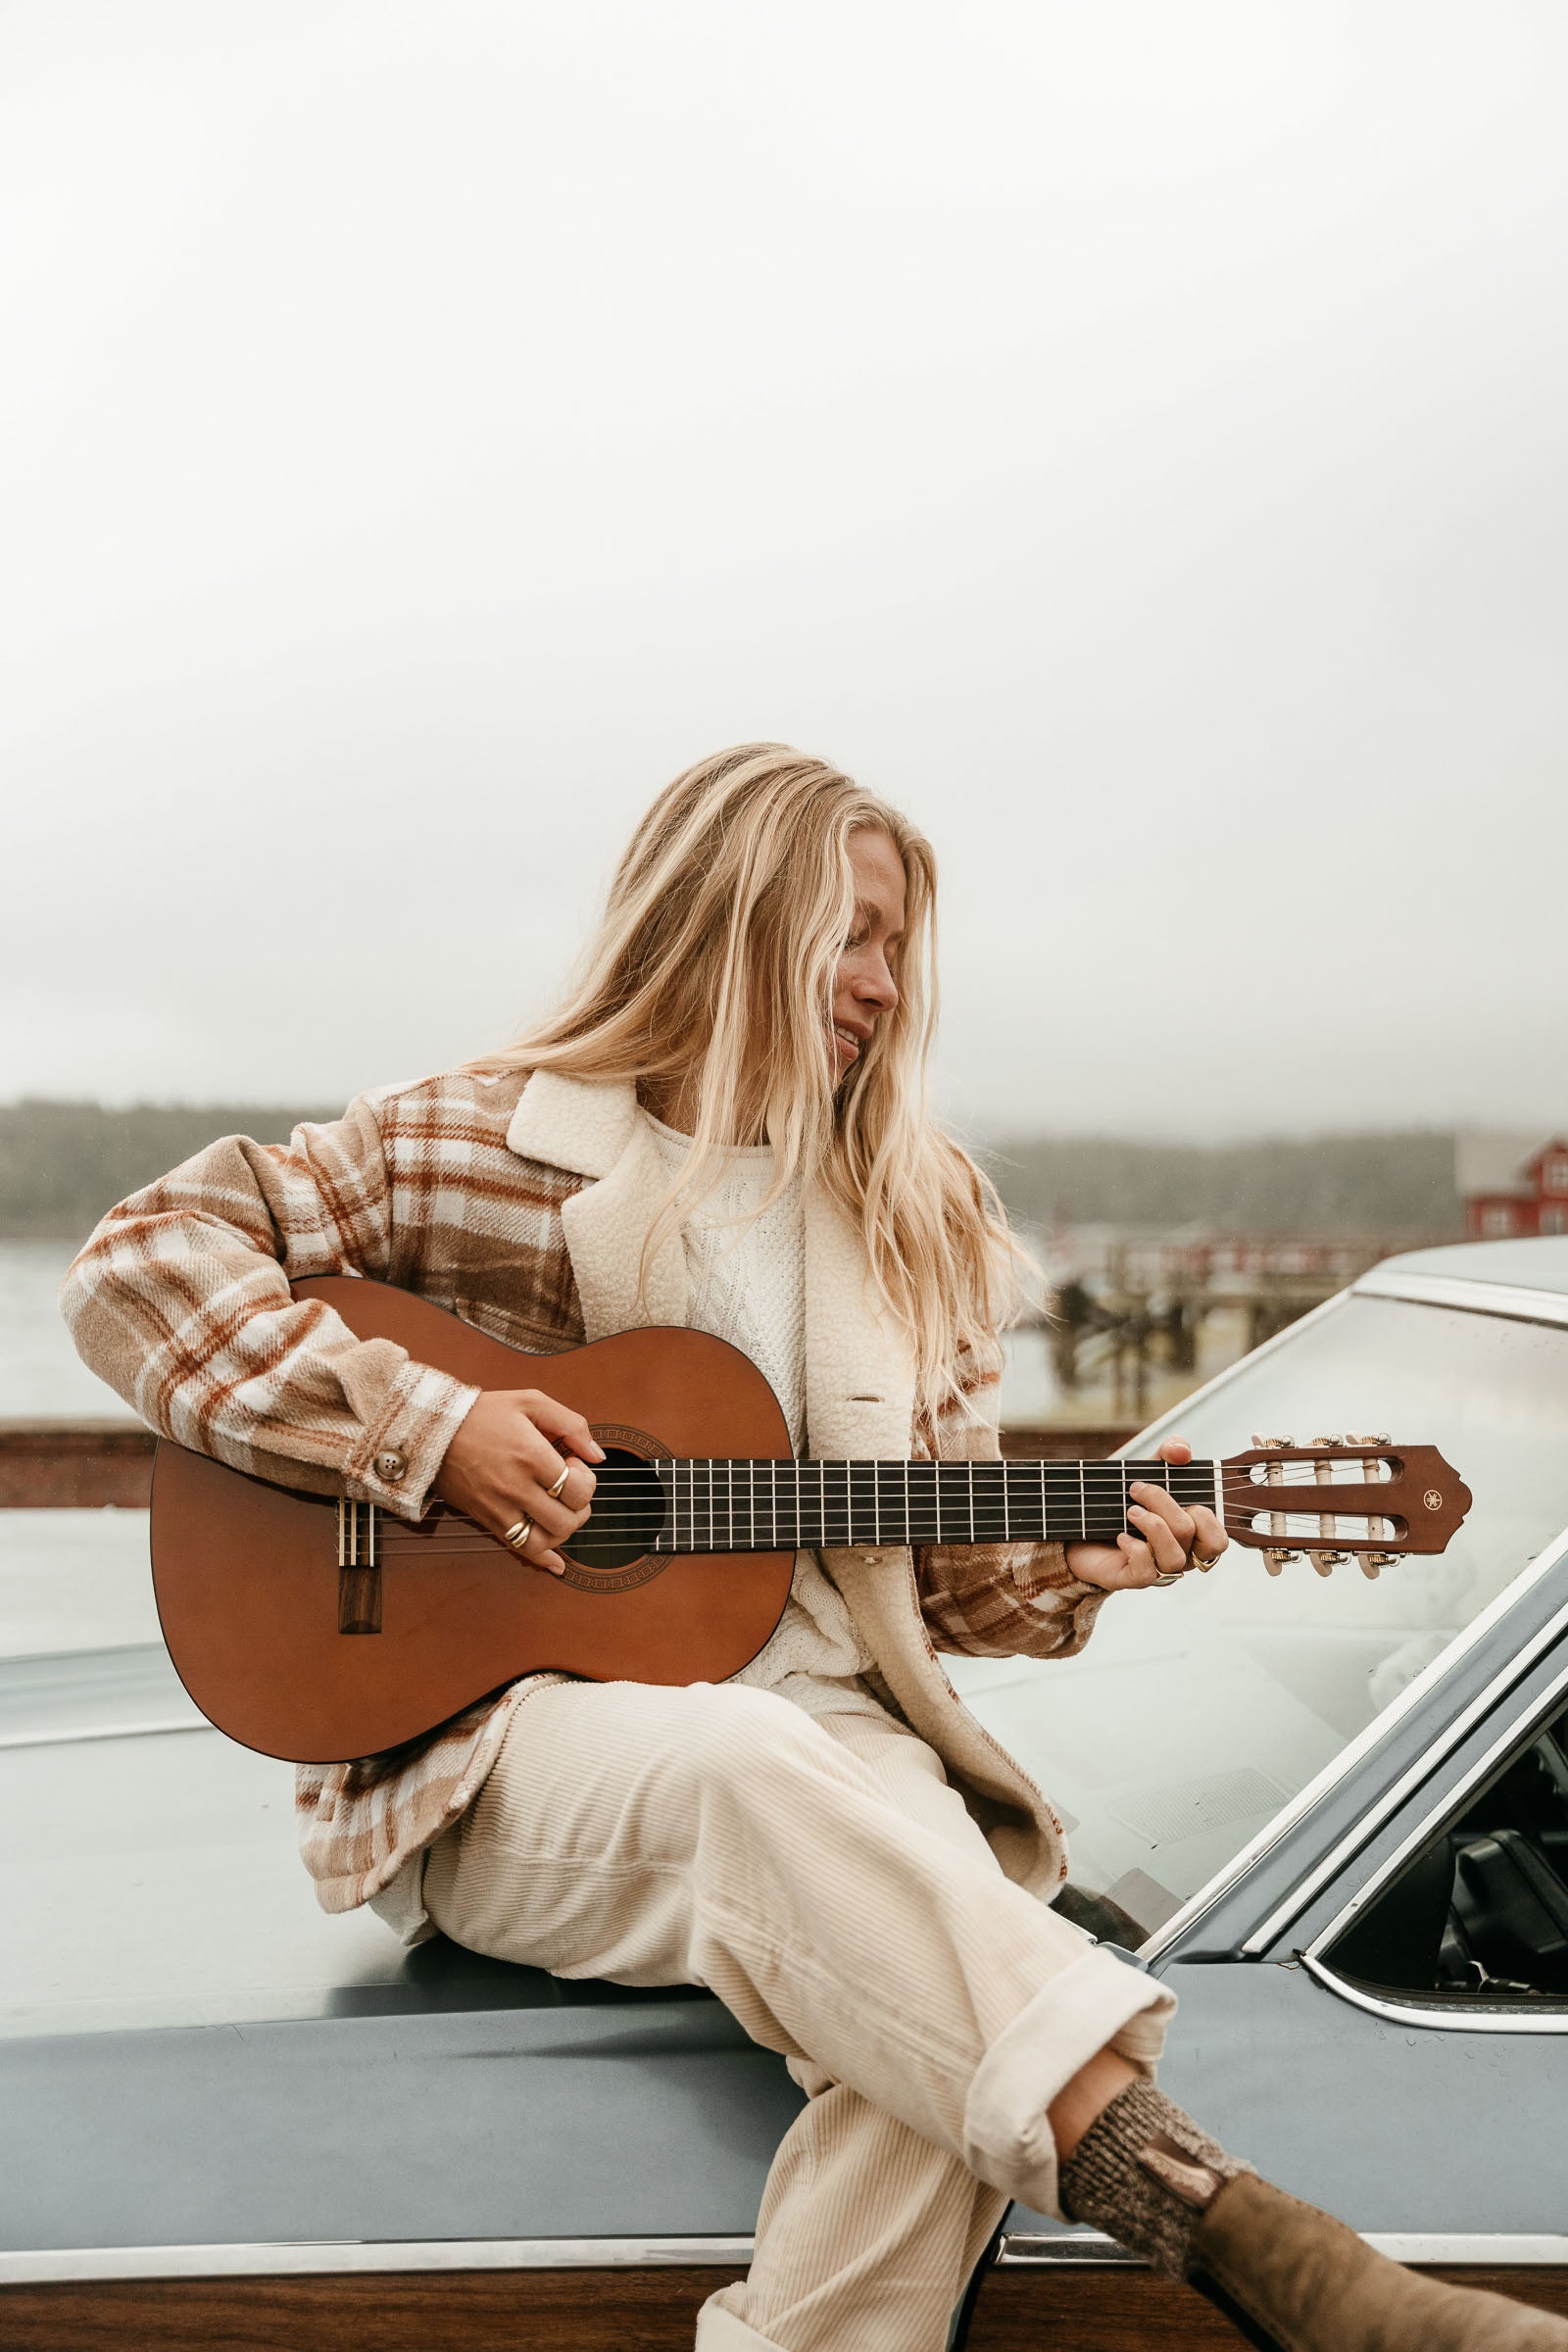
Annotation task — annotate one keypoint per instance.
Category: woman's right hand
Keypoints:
(509, 1450)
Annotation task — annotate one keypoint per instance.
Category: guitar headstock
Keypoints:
(1341, 1499)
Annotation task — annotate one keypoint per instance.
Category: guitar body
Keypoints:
(251, 1593)
(322, 1630)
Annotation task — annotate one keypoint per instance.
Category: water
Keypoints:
(72, 1579)
(41, 1375)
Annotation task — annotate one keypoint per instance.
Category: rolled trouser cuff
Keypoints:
(719, 2330)
(1098, 2003)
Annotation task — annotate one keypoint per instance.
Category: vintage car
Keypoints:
(1331, 1813)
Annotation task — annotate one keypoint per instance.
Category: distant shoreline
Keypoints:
(63, 1165)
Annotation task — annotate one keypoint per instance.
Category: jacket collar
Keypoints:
(859, 1374)
(578, 1123)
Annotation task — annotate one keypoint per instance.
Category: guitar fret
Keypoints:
(722, 1505)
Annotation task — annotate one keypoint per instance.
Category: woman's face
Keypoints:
(863, 987)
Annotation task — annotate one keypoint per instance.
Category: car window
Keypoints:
(1195, 1712)
(1480, 1914)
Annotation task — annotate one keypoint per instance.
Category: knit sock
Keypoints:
(1146, 2174)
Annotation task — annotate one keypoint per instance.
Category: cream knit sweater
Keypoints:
(748, 1286)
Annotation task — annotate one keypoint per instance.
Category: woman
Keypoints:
(725, 1124)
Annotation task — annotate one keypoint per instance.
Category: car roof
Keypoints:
(1532, 1266)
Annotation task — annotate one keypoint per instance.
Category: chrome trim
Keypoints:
(1516, 1301)
(1508, 2249)
(1513, 1737)
(1452, 2020)
(1442, 1746)
(307, 2258)
(1024, 2250)
(1502, 2251)
(106, 1730)
(66, 2266)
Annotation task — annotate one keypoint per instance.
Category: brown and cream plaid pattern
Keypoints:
(180, 1301)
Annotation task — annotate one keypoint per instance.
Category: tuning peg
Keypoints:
(1372, 1561)
(1325, 1562)
(1274, 1559)
(1331, 1440)
(1258, 1440)
(1367, 1437)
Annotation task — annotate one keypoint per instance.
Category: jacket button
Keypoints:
(389, 1468)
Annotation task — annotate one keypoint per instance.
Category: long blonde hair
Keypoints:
(719, 945)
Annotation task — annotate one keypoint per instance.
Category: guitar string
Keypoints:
(758, 1493)
(912, 1529)
(1100, 1484)
(1259, 1502)
(724, 1502)
(830, 1541)
(757, 1474)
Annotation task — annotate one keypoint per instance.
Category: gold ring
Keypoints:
(1199, 1560)
(516, 1536)
(554, 1492)
(1170, 1576)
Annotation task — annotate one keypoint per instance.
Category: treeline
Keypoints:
(61, 1164)
(1387, 1185)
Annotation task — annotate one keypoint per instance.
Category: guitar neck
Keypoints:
(783, 1506)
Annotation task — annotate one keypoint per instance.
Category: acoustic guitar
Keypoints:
(320, 1629)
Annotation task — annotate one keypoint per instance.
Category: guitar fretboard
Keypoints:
(781, 1506)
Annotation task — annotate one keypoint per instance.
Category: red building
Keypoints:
(1514, 1185)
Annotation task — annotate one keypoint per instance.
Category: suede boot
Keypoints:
(1288, 2278)
(1294, 2279)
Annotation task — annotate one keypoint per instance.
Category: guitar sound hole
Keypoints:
(628, 1516)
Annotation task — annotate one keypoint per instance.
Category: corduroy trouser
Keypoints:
(823, 1879)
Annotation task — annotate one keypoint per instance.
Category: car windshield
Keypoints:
(1195, 1712)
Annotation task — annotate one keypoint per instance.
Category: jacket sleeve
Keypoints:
(181, 1301)
(997, 1600)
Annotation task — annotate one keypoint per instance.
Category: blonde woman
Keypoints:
(725, 1124)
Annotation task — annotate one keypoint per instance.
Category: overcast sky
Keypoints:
(1129, 437)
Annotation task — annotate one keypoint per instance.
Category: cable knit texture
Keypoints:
(1146, 2174)
(746, 1283)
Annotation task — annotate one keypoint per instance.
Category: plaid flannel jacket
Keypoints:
(180, 1301)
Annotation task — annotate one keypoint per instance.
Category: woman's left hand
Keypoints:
(1172, 1536)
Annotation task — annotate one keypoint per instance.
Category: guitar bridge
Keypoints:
(358, 1574)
